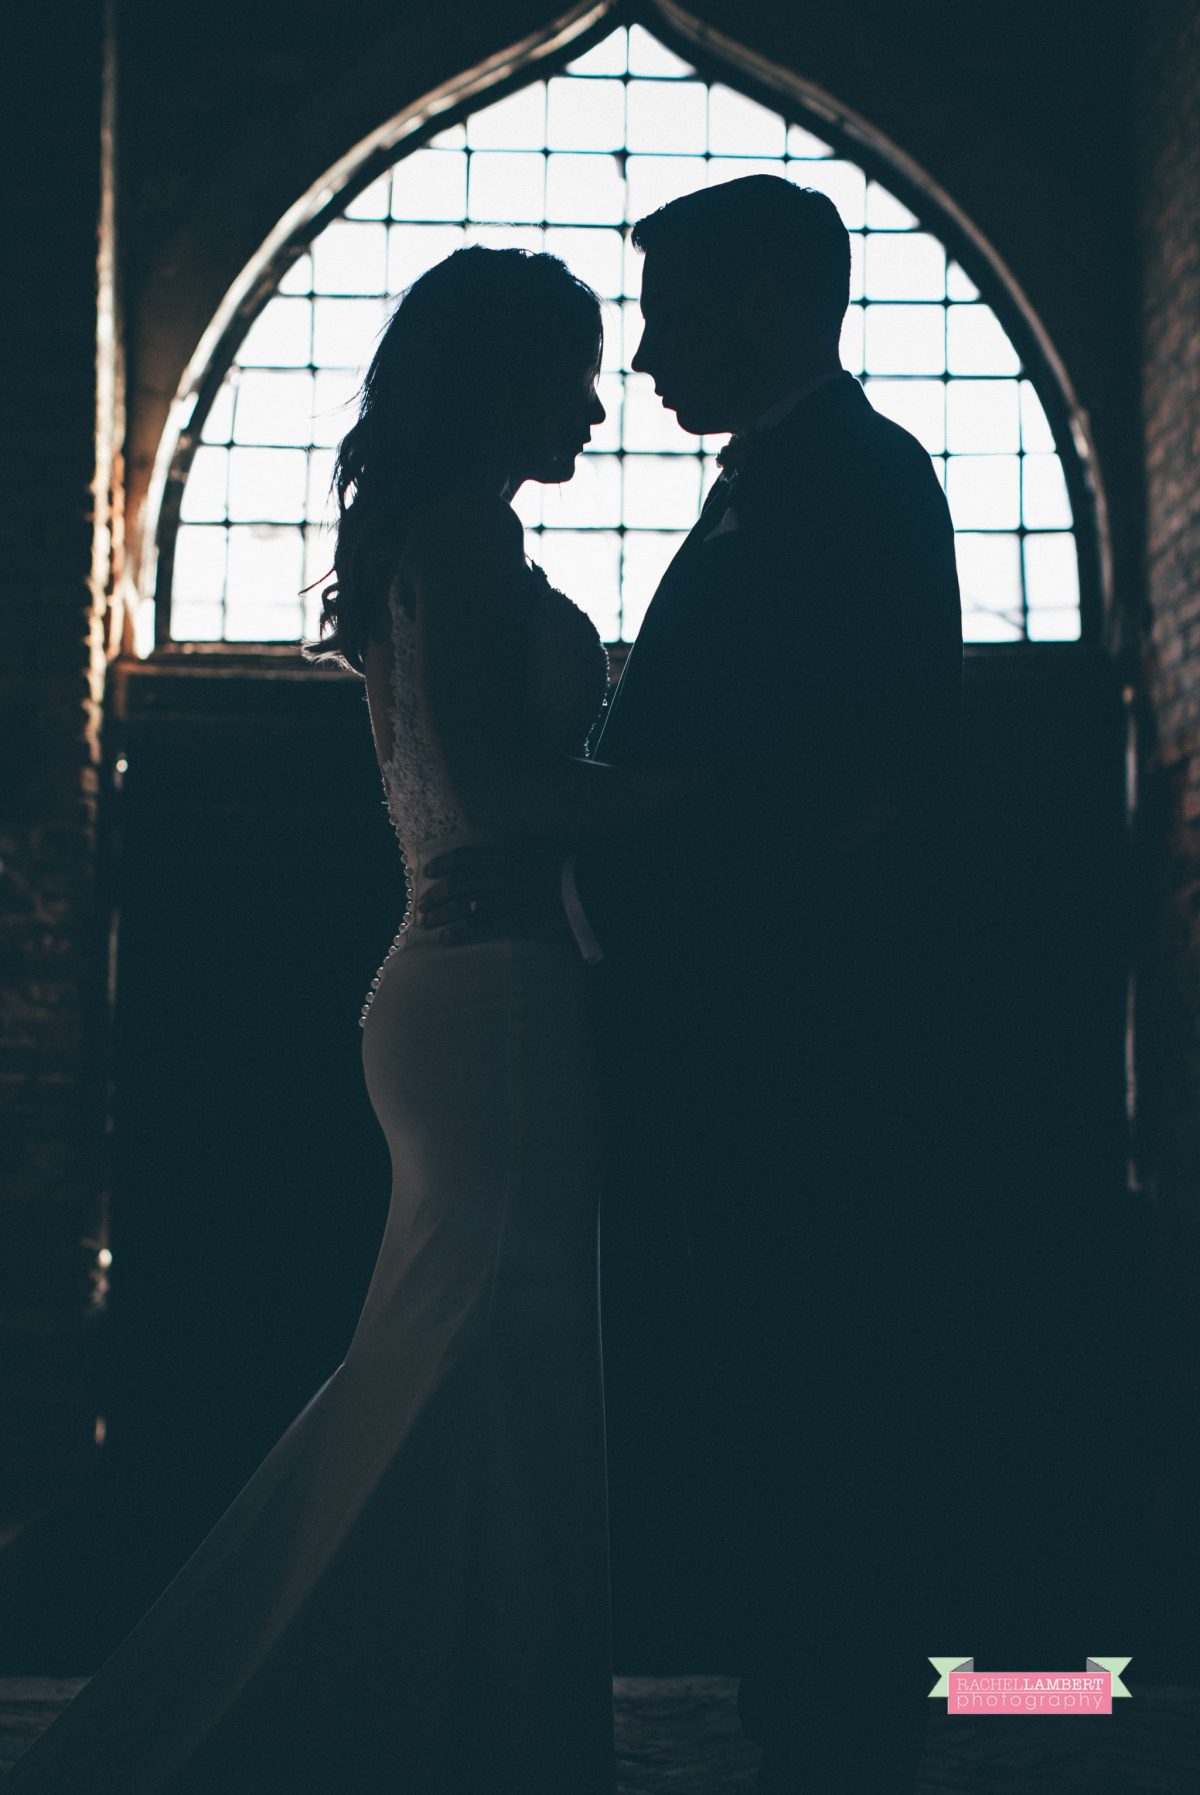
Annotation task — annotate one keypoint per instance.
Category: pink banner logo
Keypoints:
(971, 1691)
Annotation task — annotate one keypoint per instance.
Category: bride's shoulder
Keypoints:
(461, 528)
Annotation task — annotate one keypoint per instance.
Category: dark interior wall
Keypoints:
(52, 925)
(1169, 220)
(251, 922)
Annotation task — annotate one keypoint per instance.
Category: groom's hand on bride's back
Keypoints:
(478, 893)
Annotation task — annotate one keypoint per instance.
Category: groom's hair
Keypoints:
(757, 222)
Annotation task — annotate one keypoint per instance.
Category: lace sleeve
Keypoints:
(419, 802)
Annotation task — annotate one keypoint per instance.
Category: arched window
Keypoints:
(574, 149)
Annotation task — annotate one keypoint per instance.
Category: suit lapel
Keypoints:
(795, 436)
(715, 504)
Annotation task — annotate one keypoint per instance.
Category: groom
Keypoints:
(776, 964)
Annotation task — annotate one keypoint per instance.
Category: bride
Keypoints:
(411, 1592)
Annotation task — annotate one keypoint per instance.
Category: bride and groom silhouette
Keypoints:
(706, 965)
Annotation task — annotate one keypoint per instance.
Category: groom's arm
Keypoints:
(632, 894)
(625, 899)
(581, 928)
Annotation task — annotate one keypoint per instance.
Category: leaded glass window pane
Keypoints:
(206, 495)
(905, 339)
(984, 491)
(739, 126)
(583, 189)
(517, 122)
(982, 417)
(199, 563)
(586, 115)
(430, 184)
(280, 337)
(648, 57)
(919, 405)
(1051, 571)
(350, 258)
(274, 408)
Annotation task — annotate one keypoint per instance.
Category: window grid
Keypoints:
(916, 325)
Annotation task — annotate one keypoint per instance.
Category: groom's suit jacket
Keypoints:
(772, 1014)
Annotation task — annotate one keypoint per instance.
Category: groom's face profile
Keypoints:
(744, 290)
(689, 345)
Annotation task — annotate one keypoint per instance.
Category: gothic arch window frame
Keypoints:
(542, 54)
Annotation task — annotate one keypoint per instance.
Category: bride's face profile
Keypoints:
(563, 431)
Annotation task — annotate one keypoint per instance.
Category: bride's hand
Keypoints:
(485, 890)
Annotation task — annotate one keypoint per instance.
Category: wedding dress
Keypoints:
(411, 1593)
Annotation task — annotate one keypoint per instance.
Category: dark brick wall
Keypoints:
(52, 1022)
(1169, 216)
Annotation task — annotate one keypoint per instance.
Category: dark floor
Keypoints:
(680, 1734)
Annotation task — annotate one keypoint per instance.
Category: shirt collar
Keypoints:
(776, 413)
(731, 456)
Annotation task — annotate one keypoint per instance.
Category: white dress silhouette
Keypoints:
(411, 1592)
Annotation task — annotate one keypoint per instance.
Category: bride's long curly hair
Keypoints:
(471, 362)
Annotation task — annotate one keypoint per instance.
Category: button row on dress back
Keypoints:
(401, 932)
